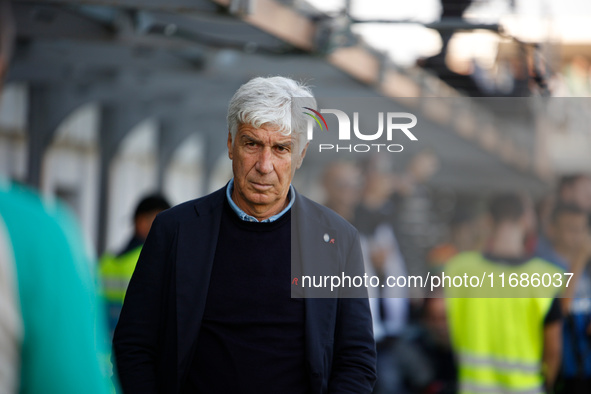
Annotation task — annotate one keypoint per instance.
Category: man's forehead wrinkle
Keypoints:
(249, 133)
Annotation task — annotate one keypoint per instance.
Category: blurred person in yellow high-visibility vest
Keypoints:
(506, 339)
(116, 269)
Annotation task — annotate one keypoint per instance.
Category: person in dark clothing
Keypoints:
(429, 365)
(116, 270)
(209, 308)
(567, 244)
(143, 217)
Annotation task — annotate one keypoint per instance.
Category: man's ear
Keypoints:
(302, 155)
(230, 145)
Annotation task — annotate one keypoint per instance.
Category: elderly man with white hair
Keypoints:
(209, 306)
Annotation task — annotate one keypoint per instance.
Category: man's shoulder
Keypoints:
(54, 222)
(539, 264)
(464, 259)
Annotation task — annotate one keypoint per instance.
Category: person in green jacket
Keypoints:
(54, 325)
(53, 336)
(116, 269)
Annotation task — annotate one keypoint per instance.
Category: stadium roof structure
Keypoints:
(180, 61)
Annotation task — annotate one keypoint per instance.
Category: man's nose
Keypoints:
(264, 163)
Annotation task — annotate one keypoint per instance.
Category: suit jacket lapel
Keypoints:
(196, 246)
(320, 313)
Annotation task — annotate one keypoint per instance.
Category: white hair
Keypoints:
(277, 101)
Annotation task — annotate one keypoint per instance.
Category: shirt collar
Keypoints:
(248, 218)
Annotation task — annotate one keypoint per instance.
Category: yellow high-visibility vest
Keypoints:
(498, 341)
(115, 273)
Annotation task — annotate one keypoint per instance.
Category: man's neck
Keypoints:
(507, 241)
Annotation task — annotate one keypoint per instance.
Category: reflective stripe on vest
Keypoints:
(507, 365)
(475, 388)
(491, 375)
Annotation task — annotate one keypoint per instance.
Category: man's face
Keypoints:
(342, 183)
(423, 166)
(582, 193)
(263, 168)
(569, 230)
(529, 216)
(436, 320)
(143, 223)
(579, 193)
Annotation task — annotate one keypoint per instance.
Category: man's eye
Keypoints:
(251, 144)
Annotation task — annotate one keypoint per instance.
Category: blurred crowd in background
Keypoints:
(406, 229)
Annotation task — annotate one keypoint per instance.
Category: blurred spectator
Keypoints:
(116, 270)
(576, 189)
(467, 232)
(576, 75)
(416, 223)
(566, 234)
(389, 305)
(521, 75)
(51, 327)
(342, 186)
(505, 344)
(11, 323)
(344, 191)
(568, 245)
(53, 335)
(512, 77)
(429, 365)
(544, 210)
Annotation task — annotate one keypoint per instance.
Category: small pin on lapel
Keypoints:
(326, 237)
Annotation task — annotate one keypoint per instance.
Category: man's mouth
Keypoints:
(261, 186)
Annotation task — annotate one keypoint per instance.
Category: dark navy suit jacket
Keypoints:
(156, 335)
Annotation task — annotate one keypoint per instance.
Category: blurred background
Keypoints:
(108, 100)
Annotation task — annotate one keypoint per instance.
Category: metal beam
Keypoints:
(105, 55)
(50, 22)
(142, 27)
(117, 120)
(219, 31)
(167, 5)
